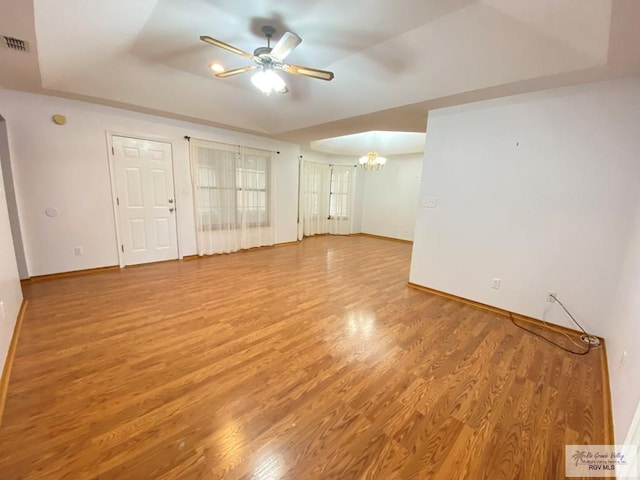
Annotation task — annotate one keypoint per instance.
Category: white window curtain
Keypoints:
(340, 199)
(232, 196)
(325, 198)
(315, 179)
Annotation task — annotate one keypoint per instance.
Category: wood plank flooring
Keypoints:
(307, 361)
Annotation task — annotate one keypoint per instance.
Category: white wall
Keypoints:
(540, 190)
(537, 190)
(624, 336)
(390, 197)
(10, 291)
(67, 167)
(12, 204)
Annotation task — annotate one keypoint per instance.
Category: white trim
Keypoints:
(633, 434)
(114, 188)
(114, 195)
(633, 438)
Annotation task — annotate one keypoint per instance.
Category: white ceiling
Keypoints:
(384, 143)
(393, 61)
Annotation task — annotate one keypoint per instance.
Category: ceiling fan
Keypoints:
(267, 60)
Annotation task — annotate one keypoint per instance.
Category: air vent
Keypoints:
(15, 44)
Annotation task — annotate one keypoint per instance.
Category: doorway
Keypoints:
(144, 200)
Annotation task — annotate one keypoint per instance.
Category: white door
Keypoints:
(145, 200)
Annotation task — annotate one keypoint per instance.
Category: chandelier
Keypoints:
(371, 161)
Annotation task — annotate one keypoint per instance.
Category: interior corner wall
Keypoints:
(12, 203)
(623, 338)
(67, 167)
(10, 290)
(390, 197)
(537, 190)
(541, 191)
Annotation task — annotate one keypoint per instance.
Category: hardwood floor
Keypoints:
(305, 361)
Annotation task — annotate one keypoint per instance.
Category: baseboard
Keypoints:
(500, 311)
(633, 433)
(285, 244)
(325, 235)
(252, 249)
(609, 434)
(8, 363)
(609, 437)
(382, 237)
(72, 273)
(266, 247)
(370, 235)
(75, 273)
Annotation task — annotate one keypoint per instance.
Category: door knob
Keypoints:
(171, 210)
(171, 200)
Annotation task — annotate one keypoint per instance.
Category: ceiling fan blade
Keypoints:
(285, 45)
(308, 72)
(235, 71)
(226, 46)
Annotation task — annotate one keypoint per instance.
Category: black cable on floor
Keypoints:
(551, 341)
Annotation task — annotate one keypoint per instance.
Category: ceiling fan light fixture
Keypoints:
(268, 81)
(372, 161)
(266, 60)
(216, 67)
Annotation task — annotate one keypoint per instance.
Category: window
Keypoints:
(339, 192)
(314, 192)
(232, 187)
(326, 195)
(251, 191)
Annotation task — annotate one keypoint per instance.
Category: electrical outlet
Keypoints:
(78, 251)
(495, 283)
(551, 297)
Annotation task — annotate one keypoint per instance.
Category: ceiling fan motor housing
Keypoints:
(261, 51)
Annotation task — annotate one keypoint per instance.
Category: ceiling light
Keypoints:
(268, 81)
(371, 161)
(216, 67)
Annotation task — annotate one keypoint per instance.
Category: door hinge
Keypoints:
(118, 200)
(122, 248)
(113, 151)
